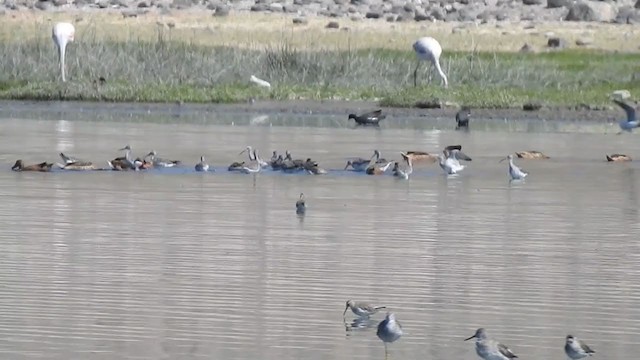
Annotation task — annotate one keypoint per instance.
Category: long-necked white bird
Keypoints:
(514, 171)
(62, 34)
(429, 49)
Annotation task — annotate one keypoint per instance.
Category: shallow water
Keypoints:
(181, 265)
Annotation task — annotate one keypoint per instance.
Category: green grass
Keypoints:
(167, 71)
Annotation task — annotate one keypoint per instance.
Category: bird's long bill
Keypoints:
(149, 154)
(503, 159)
(345, 310)
(346, 167)
(124, 148)
(242, 152)
(471, 337)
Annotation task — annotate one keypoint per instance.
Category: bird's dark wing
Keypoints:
(630, 110)
(453, 147)
(462, 156)
(374, 116)
(504, 350)
(586, 347)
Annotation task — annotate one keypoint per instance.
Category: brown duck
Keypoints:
(43, 167)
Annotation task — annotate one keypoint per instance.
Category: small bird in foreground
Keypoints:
(389, 330)
(301, 207)
(576, 349)
(489, 349)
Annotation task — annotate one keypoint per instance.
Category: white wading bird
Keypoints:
(62, 34)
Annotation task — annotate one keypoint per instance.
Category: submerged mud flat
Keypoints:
(86, 110)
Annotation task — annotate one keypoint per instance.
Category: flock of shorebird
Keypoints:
(389, 330)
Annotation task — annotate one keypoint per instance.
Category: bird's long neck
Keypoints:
(442, 74)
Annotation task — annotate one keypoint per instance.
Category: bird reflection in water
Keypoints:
(359, 324)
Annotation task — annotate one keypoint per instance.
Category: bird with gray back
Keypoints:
(361, 309)
(576, 349)
(301, 206)
(389, 330)
(489, 349)
(202, 166)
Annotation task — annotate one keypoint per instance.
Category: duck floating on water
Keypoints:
(618, 157)
(531, 155)
(41, 167)
(158, 162)
(75, 164)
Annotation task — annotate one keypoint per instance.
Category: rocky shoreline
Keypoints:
(479, 11)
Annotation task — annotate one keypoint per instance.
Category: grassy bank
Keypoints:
(160, 67)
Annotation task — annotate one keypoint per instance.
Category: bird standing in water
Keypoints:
(389, 330)
(301, 207)
(576, 349)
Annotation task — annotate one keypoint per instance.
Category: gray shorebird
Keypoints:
(361, 309)
(515, 172)
(389, 330)
(301, 207)
(489, 349)
(576, 349)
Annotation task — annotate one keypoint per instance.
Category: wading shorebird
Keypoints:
(576, 349)
(202, 166)
(462, 118)
(489, 349)
(631, 122)
(389, 330)
(371, 118)
(62, 34)
(618, 157)
(301, 207)
(429, 49)
(514, 171)
(253, 156)
(361, 309)
(531, 155)
(42, 167)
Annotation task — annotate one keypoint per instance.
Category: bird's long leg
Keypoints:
(415, 74)
(430, 76)
(386, 352)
